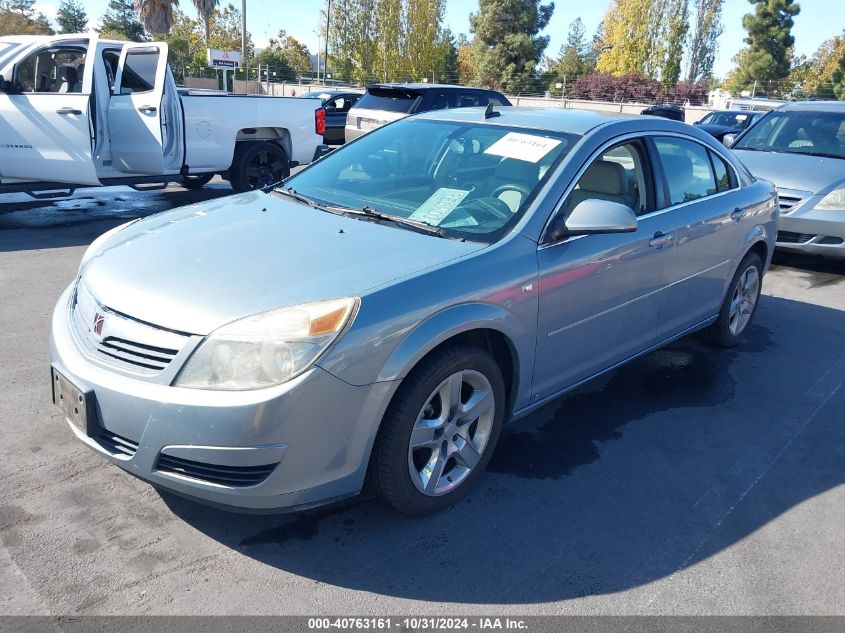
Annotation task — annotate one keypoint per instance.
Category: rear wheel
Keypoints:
(739, 305)
(439, 431)
(257, 165)
(196, 181)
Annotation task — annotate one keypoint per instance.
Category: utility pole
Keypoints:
(243, 31)
(326, 56)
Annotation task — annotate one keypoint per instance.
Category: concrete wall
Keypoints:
(202, 83)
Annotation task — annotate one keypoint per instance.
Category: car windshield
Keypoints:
(728, 119)
(471, 180)
(387, 99)
(813, 132)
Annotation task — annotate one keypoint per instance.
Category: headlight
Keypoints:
(834, 201)
(96, 244)
(267, 349)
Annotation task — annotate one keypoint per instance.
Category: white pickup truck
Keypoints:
(77, 111)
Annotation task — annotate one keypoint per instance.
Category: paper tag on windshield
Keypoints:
(441, 203)
(525, 147)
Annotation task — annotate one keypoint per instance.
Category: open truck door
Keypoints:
(46, 131)
(136, 109)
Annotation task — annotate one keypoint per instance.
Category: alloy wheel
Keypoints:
(744, 300)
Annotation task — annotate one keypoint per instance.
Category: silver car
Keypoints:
(801, 148)
(381, 314)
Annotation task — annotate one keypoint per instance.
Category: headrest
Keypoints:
(514, 169)
(678, 168)
(68, 74)
(605, 177)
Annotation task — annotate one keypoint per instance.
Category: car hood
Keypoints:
(795, 171)
(199, 267)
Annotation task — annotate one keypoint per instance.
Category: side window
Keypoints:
(111, 59)
(723, 178)
(139, 71)
(469, 100)
(55, 70)
(436, 100)
(619, 175)
(687, 169)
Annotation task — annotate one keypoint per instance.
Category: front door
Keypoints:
(601, 295)
(46, 132)
(135, 109)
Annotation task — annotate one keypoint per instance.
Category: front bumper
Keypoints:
(813, 232)
(293, 446)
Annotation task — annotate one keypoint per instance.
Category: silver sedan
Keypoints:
(381, 314)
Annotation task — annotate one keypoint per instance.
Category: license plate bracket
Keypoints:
(77, 404)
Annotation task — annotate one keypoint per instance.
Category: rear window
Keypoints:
(390, 100)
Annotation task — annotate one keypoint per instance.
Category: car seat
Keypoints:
(603, 180)
(67, 80)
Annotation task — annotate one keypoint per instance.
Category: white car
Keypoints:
(79, 111)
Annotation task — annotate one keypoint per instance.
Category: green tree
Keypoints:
(572, 62)
(205, 9)
(120, 22)
(675, 35)
(508, 45)
(156, 15)
(285, 56)
(767, 59)
(424, 51)
(389, 25)
(706, 29)
(819, 75)
(19, 17)
(71, 17)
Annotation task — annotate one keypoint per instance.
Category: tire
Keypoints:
(458, 447)
(196, 181)
(258, 164)
(731, 325)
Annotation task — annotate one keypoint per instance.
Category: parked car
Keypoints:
(77, 111)
(387, 309)
(337, 105)
(667, 111)
(721, 122)
(383, 103)
(801, 148)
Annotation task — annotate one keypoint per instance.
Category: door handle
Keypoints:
(68, 111)
(149, 109)
(660, 240)
(737, 214)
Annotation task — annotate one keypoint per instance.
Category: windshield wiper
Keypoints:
(292, 193)
(753, 149)
(422, 227)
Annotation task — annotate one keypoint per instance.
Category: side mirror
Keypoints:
(728, 139)
(594, 216)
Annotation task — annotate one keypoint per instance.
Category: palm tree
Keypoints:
(205, 9)
(156, 15)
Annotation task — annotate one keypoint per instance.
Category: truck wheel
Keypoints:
(439, 431)
(196, 181)
(258, 165)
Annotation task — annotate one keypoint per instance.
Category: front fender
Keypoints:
(458, 319)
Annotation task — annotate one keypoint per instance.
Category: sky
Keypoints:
(819, 20)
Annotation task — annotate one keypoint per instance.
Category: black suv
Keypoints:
(383, 103)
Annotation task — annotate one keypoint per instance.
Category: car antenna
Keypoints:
(489, 113)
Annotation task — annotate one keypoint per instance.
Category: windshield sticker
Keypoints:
(441, 203)
(525, 147)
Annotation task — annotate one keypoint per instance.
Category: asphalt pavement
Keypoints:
(692, 481)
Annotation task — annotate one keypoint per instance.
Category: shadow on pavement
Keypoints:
(32, 224)
(648, 471)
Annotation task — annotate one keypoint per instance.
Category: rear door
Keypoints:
(46, 133)
(704, 200)
(136, 109)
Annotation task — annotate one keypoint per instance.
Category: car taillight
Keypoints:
(320, 121)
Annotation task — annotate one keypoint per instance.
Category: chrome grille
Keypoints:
(789, 200)
(121, 341)
(117, 444)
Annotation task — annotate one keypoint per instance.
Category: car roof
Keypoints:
(427, 86)
(814, 106)
(568, 120)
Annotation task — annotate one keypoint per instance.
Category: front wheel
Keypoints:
(439, 431)
(257, 165)
(739, 305)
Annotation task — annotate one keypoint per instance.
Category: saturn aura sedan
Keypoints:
(378, 316)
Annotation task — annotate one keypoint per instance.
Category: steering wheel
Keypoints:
(521, 189)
